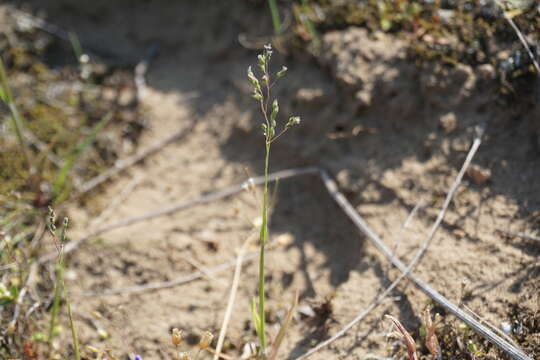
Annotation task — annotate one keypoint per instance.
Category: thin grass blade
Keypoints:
(284, 327)
(60, 183)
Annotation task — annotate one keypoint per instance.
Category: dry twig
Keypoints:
(207, 273)
(523, 42)
(122, 165)
(518, 234)
(176, 282)
(213, 196)
(232, 295)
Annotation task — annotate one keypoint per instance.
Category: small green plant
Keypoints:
(60, 286)
(262, 93)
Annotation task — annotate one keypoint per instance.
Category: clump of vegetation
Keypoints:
(52, 120)
(525, 328)
(449, 32)
(55, 108)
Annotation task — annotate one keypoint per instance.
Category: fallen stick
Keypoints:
(523, 41)
(116, 201)
(213, 196)
(232, 296)
(518, 234)
(122, 165)
(202, 269)
(168, 284)
(480, 329)
(342, 201)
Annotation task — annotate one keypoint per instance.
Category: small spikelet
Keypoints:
(206, 340)
(177, 336)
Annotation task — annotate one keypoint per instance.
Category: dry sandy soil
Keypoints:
(391, 134)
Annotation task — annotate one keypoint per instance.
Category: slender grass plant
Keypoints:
(60, 289)
(262, 93)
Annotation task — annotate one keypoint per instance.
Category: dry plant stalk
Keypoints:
(406, 337)
(284, 327)
(432, 343)
(232, 296)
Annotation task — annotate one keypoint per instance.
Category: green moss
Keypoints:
(13, 173)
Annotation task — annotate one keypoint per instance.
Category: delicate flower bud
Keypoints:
(206, 340)
(295, 120)
(252, 79)
(275, 110)
(281, 72)
(268, 51)
(257, 96)
(177, 336)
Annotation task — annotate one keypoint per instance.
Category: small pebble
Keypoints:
(506, 327)
(448, 122)
(479, 175)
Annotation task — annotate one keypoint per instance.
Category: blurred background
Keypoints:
(113, 110)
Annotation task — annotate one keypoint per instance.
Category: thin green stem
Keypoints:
(278, 135)
(74, 338)
(56, 302)
(263, 240)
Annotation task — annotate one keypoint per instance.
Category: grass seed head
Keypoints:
(206, 340)
(177, 336)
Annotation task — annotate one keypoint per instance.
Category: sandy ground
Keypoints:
(391, 134)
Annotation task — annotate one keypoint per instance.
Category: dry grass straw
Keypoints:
(124, 164)
(232, 295)
(405, 336)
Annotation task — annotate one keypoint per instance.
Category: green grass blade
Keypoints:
(255, 317)
(75, 45)
(60, 182)
(7, 97)
(5, 92)
(309, 24)
(276, 21)
(284, 327)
